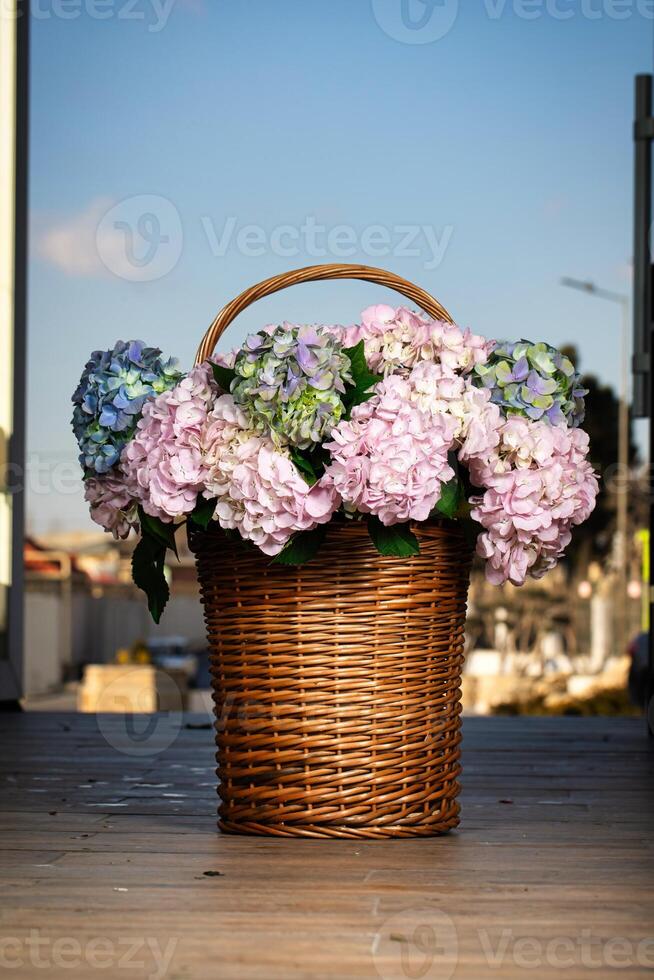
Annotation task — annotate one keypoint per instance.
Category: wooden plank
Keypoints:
(554, 858)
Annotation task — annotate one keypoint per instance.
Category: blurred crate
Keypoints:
(125, 688)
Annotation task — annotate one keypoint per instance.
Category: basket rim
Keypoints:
(314, 273)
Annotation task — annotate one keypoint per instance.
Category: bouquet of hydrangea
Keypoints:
(397, 419)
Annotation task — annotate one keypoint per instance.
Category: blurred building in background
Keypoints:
(81, 608)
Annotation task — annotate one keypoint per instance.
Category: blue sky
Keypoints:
(184, 149)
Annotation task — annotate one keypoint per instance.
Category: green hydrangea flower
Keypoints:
(290, 382)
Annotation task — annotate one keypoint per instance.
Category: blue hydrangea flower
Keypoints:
(290, 381)
(533, 380)
(109, 399)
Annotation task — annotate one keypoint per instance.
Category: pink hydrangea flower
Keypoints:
(396, 340)
(163, 462)
(390, 459)
(258, 489)
(523, 444)
(539, 485)
(478, 421)
(111, 503)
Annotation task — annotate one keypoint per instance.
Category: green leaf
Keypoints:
(302, 547)
(153, 527)
(397, 540)
(223, 375)
(148, 563)
(362, 377)
(311, 462)
(203, 512)
(360, 371)
(305, 466)
(451, 497)
(358, 398)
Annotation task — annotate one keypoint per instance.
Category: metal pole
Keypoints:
(643, 359)
(14, 41)
(643, 134)
(622, 503)
(17, 451)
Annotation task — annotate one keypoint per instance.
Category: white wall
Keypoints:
(58, 642)
(42, 668)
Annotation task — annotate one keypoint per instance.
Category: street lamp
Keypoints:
(622, 300)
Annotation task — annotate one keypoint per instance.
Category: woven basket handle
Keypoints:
(311, 273)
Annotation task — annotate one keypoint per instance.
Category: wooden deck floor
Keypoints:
(110, 864)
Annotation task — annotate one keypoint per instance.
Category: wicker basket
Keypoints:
(336, 684)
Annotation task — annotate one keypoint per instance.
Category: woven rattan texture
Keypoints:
(336, 684)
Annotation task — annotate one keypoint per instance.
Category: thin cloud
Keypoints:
(139, 239)
(555, 205)
(71, 245)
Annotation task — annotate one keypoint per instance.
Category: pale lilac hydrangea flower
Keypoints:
(396, 340)
(226, 359)
(539, 484)
(164, 461)
(259, 491)
(111, 503)
(390, 459)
